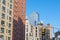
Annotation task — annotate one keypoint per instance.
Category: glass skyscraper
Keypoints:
(34, 18)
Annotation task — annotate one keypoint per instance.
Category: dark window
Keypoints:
(3, 16)
(9, 25)
(36, 27)
(10, 6)
(2, 30)
(4, 2)
(1, 36)
(10, 19)
(3, 8)
(2, 22)
(9, 32)
(10, 12)
(8, 38)
(11, 1)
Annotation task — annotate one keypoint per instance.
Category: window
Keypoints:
(2, 37)
(10, 19)
(27, 36)
(10, 6)
(3, 16)
(4, 2)
(10, 12)
(11, 1)
(9, 25)
(37, 38)
(36, 27)
(9, 32)
(2, 30)
(8, 38)
(2, 22)
(36, 32)
(3, 8)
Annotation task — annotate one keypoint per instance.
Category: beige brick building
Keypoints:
(49, 27)
(31, 32)
(28, 30)
(6, 19)
(35, 32)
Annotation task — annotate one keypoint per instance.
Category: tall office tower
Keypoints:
(19, 20)
(34, 18)
(6, 22)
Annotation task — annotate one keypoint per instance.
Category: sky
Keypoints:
(49, 11)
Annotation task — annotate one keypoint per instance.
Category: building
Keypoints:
(42, 32)
(57, 35)
(34, 18)
(6, 19)
(49, 27)
(36, 33)
(47, 34)
(31, 32)
(28, 30)
(39, 32)
(45, 31)
(19, 19)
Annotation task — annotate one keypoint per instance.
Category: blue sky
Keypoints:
(49, 10)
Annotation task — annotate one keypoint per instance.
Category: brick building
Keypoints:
(19, 20)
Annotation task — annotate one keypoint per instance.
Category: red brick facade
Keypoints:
(19, 11)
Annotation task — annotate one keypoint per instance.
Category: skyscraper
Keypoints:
(19, 20)
(34, 18)
(6, 19)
